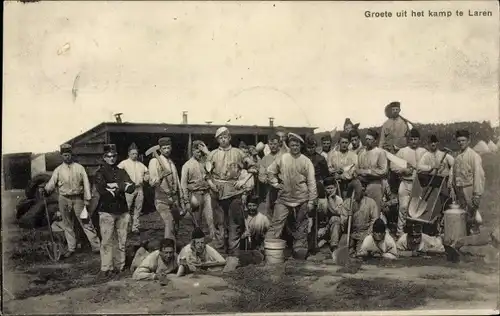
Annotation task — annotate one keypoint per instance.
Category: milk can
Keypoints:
(454, 224)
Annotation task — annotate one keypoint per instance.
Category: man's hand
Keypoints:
(42, 191)
(278, 186)
(86, 202)
(203, 148)
(239, 184)
(310, 206)
(112, 185)
(213, 187)
(245, 235)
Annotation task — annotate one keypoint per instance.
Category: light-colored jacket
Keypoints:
(468, 171)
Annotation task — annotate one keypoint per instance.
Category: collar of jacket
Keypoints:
(226, 149)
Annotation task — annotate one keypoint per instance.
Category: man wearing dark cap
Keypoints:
(73, 185)
(342, 163)
(355, 146)
(467, 179)
(394, 130)
(372, 167)
(412, 155)
(292, 174)
(138, 173)
(431, 160)
(319, 163)
(113, 183)
(416, 243)
(196, 189)
(228, 190)
(196, 254)
(164, 178)
(256, 224)
(379, 243)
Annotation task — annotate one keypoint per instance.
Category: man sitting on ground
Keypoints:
(198, 255)
(158, 263)
(256, 224)
(417, 243)
(379, 243)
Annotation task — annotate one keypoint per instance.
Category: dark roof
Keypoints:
(156, 128)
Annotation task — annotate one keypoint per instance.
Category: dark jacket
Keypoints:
(320, 172)
(108, 203)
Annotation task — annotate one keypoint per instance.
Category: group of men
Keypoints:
(296, 183)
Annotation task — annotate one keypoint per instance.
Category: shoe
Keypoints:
(300, 254)
(68, 254)
(105, 275)
(96, 250)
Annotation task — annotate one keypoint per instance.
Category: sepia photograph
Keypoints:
(251, 157)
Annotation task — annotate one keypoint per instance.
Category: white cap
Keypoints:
(290, 135)
(220, 131)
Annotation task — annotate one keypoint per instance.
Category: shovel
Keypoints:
(422, 199)
(342, 254)
(53, 248)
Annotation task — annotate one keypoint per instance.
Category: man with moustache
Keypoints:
(342, 163)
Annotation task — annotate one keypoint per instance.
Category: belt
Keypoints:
(407, 180)
(462, 186)
(72, 195)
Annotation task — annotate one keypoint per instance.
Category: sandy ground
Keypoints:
(32, 284)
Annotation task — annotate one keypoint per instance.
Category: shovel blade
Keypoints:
(341, 256)
(54, 251)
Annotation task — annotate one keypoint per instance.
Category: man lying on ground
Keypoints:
(256, 224)
(144, 250)
(416, 243)
(158, 263)
(379, 243)
(197, 255)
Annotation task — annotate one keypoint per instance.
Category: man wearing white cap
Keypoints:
(292, 174)
(228, 190)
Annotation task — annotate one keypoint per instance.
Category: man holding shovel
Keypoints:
(164, 178)
(342, 163)
(412, 154)
(228, 191)
(73, 185)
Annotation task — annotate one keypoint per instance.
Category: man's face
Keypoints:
(414, 142)
(197, 153)
(343, 144)
(462, 142)
(326, 144)
(110, 158)
(330, 190)
(252, 208)
(294, 147)
(274, 145)
(355, 141)
(311, 149)
(282, 137)
(253, 151)
(348, 128)
(433, 146)
(133, 154)
(199, 245)
(167, 254)
(370, 141)
(224, 140)
(67, 157)
(413, 241)
(395, 112)
(245, 150)
(166, 150)
(378, 237)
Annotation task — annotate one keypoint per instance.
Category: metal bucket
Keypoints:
(454, 224)
(274, 250)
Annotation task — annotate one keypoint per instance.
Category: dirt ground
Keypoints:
(34, 284)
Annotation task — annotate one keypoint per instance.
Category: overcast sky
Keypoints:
(306, 64)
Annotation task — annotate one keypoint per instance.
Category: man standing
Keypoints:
(292, 175)
(342, 163)
(372, 167)
(431, 160)
(467, 179)
(270, 191)
(228, 190)
(394, 130)
(112, 183)
(164, 178)
(281, 133)
(355, 146)
(326, 144)
(412, 155)
(138, 173)
(196, 189)
(319, 163)
(73, 185)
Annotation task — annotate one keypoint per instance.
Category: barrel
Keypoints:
(274, 250)
(454, 224)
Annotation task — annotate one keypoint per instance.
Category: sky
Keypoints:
(303, 63)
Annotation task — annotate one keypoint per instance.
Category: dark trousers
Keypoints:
(229, 224)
